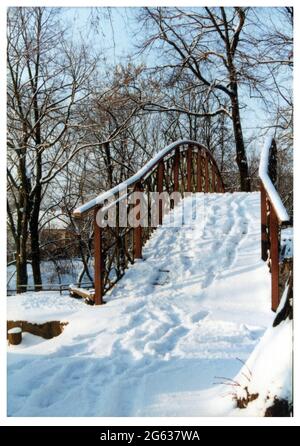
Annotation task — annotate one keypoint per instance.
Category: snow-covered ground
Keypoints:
(172, 328)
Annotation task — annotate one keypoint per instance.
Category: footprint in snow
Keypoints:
(197, 317)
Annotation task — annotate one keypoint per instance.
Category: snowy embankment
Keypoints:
(265, 382)
(172, 327)
(268, 372)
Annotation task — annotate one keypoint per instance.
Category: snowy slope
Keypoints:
(268, 373)
(171, 328)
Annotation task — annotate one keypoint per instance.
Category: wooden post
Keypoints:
(274, 253)
(206, 174)
(263, 213)
(189, 168)
(137, 232)
(199, 171)
(14, 336)
(176, 169)
(175, 174)
(98, 261)
(219, 184)
(213, 178)
(160, 178)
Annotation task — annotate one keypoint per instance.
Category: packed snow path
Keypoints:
(172, 328)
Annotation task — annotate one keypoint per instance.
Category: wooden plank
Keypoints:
(274, 253)
(206, 174)
(213, 178)
(220, 184)
(160, 178)
(199, 171)
(176, 169)
(98, 261)
(176, 160)
(137, 234)
(189, 168)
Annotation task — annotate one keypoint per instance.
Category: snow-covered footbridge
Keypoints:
(192, 304)
(181, 169)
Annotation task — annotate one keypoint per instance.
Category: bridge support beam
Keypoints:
(160, 182)
(213, 178)
(206, 174)
(219, 182)
(138, 231)
(98, 279)
(176, 169)
(263, 213)
(199, 171)
(274, 254)
(189, 168)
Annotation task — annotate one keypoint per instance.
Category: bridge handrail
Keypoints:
(264, 168)
(138, 176)
(273, 216)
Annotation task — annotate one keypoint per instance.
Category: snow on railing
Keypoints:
(273, 215)
(268, 185)
(100, 199)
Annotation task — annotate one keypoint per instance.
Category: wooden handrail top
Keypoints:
(137, 177)
(270, 189)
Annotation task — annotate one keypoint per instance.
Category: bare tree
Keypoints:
(205, 42)
(48, 80)
(58, 114)
(273, 54)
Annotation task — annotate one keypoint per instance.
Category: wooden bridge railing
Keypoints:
(273, 215)
(184, 166)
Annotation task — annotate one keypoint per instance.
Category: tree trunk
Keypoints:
(35, 241)
(35, 256)
(85, 269)
(21, 272)
(37, 196)
(241, 158)
(21, 262)
(22, 233)
(14, 336)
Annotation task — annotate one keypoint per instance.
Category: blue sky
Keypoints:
(113, 35)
